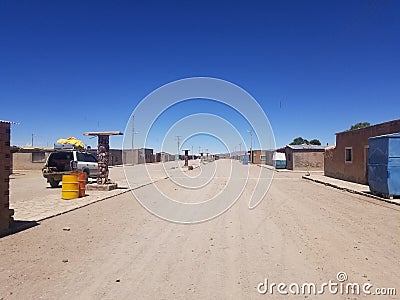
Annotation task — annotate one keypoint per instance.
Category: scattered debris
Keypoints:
(65, 260)
(66, 229)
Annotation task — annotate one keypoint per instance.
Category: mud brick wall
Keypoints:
(5, 169)
(357, 140)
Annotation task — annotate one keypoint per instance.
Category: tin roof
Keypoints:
(306, 147)
(391, 135)
(367, 127)
(103, 133)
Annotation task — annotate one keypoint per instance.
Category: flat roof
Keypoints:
(391, 135)
(306, 147)
(364, 128)
(103, 133)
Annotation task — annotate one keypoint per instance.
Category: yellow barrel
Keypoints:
(70, 187)
(82, 183)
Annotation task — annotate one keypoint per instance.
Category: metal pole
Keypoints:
(178, 137)
(251, 146)
(133, 136)
(32, 139)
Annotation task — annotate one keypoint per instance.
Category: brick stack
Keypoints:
(5, 168)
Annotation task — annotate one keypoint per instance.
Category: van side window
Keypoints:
(80, 156)
(90, 158)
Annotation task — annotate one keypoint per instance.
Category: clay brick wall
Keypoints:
(304, 159)
(357, 140)
(5, 167)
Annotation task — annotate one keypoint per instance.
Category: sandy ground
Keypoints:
(115, 249)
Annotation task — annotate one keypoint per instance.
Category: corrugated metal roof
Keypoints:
(9, 122)
(306, 147)
(391, 135)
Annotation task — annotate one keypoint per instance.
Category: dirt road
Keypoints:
(115, 249)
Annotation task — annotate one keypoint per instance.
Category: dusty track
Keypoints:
(301, 232)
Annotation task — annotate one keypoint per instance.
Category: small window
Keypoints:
(38, 157)
(348, 155)
(263, 157)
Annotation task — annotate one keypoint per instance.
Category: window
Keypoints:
(38, 157)
(348, 157)
(90, 158)
(80, 156)
(263, 157)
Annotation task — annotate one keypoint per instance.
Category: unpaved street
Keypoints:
(116, 249)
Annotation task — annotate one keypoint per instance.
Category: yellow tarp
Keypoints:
(71, 141)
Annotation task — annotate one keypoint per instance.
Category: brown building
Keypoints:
(259, 157)
(30, 158)
(305, 157)
(5, 167)
(163, 157)
(34, 158)
(138, 156)
(348, 160)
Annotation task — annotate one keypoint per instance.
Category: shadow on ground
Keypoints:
(18, 226)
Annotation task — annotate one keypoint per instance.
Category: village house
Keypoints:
(348, 160)
(305, 157)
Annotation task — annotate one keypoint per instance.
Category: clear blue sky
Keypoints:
(315, 67)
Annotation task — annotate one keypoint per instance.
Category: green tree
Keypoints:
(298, 141)
(315, 142)
(360, 125)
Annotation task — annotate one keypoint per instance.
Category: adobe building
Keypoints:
(30, 158)
(259, 157)
(348, 160)
(5, 168)
(163, 157)
(138, 156)
(305, 157)
(34, 158)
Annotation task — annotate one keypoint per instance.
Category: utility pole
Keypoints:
(133, 137)
(240, 150)
(251, 145)
(192, 153)
(32, 139)
(178, 138)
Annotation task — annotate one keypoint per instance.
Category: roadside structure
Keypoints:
(348, 160)
(30, 158)
(103, 153)
(305, 157)
(5, 168)
(259, 157)
(34, 158)
(163, 157)
(138, 156)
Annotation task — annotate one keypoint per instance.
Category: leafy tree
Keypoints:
(360, 125)
(298, 141)
(315, 142)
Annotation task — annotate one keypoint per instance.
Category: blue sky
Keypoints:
(315, 67)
